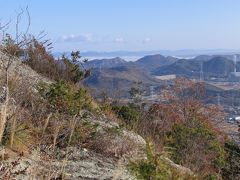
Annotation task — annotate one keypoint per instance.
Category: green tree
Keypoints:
(156, 167)
(128, 114)
(136, 92)
(232, 169)
(74, 72)
(194, 145)
(64, 98)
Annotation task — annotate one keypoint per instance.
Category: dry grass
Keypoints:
(113, 146)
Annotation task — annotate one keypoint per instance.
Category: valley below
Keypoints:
(218, 73)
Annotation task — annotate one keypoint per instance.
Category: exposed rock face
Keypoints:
(21, 71)
(108, 161)
(105, 160)
(80, 164)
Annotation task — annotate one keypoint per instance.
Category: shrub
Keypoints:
(157, 122)
(128, 114)
(41, 60)
(10, 47)
(155, 167)
(64, 98)
(84, 134)
(194, 145)
(232, 169)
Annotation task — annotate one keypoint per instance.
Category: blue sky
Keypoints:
(134, 25)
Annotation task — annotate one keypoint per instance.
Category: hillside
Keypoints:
(154, 61)
(100, 148)
(115, 74)
(22, 71)
(119, 90)
(118, 80)
(58, 130)
(181, 67)
(82, 163)
(218, 66)
(105, 63)
(211, 66)
(112, 74)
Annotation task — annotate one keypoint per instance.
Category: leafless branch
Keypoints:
(41, 35)
(19, 16)
(4, 28)
(29, 21)
(10, 51)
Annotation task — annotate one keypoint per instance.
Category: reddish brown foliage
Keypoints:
(181, 102)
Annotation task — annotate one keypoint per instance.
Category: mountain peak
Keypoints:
(157, 60)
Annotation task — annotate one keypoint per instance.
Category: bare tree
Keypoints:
(10, 49)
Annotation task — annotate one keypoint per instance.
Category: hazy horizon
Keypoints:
(135, 55)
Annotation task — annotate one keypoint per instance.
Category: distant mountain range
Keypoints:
(147, 63)
(117, 81)
(181, 53)
(117, 74)
(218, 66)
(153, 61)
(184, 53)
(105, 63)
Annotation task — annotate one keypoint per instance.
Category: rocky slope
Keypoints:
(79, 163)
(105, 156)
(102, 161)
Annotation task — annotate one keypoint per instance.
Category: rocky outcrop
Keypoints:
(21, 71)
(106, 160)
(76, 164)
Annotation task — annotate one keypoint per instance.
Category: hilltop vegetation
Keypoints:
(183, 129)
(48, 119)
(52, 128)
